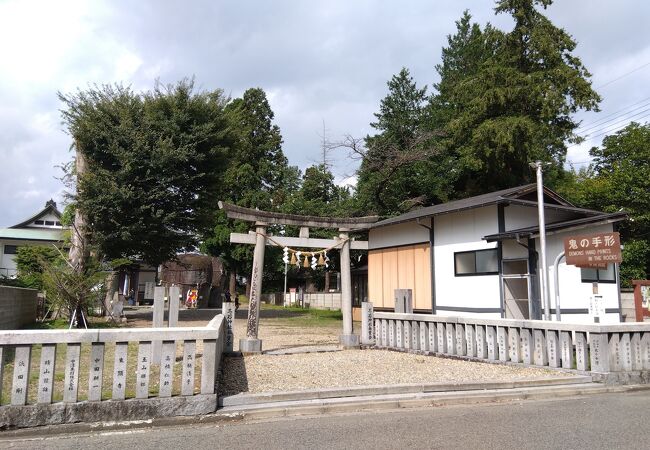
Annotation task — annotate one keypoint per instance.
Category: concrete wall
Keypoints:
(17, 307)
(627, 303)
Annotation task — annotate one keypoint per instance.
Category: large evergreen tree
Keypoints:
(507, 98)
(398, 170)
(257, 176)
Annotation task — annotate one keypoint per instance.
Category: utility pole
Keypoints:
(543, 274)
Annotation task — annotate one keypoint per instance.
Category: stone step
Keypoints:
(356, 391)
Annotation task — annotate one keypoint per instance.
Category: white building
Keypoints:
(479, 256)
(43, 228)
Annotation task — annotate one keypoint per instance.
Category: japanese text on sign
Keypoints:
(593, 250)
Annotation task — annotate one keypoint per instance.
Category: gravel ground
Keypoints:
(266, 373)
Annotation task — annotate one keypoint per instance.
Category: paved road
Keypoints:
(611, 421)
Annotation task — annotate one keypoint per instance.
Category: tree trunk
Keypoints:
(327, 281)
(79, 251)
(112, 282)
(232, 282)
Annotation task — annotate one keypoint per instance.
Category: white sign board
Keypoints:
(596, 306)
(148, 290)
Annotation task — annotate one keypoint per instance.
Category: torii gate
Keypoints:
(262, 219)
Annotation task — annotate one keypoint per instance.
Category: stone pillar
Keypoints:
(367, 324)
(158, 320)
(599, 352)
(461, 343)
(251, 344)
(540, 357)
(513, 344)
(481, 343)
(347, 339)
(228, 310)
(566, 349)
(552, 346)
(502, 344)
(470, 337)
(582, 354)
(451, 338)
(174, 294)
(492, 346)
(526, 346)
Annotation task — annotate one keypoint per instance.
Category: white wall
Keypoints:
(574, 294)
(48, 216)
(457, 232)
(407, 233)
(7, 263)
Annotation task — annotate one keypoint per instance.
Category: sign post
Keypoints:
(593, 251)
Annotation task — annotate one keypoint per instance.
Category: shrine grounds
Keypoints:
(300, 352)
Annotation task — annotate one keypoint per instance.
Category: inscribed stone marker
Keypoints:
(540, 357)
(461, 343)
(626, 352)
(481, 345)
(433, 337)
(406, 327)
(470, 339)
(22, 359)
(96, 372)
(599, 352)
(615, 360)
(142, 374)
(513, 345)
(228, 309)
(637, 361)
(119, 371)
(442, 339)
(526, 346)
(168, 357)
(502, 343)
(581, 351)
(451, 338)
(492, 346)
(566, 346)
(71, 382)
(399, 334)
(424, 336)
(391, 334)
(46, 374)
(415, 335)
(189, 361)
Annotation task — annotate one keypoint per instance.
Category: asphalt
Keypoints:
(604, 421)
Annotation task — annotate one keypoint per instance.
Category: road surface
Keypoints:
(609, 421)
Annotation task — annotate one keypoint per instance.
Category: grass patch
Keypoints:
(305, 316)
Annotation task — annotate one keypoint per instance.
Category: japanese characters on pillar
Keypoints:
(593, 250)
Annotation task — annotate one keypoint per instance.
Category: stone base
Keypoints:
(349, 341)
(250, 345)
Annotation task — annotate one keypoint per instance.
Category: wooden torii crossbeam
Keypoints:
(261, 219)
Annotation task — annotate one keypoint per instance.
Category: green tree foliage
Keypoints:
(618, 179)
(257, 176)
(31, 262)
(507, 98)
(155, 165)
(398, 169)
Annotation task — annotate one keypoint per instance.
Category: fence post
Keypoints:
(367, 324)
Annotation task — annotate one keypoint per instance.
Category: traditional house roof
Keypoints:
(44, 226)
(523, 195)
(49, 210)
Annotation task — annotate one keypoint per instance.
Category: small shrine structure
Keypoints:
(261, 220)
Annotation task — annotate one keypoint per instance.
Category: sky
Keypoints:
(324, 66)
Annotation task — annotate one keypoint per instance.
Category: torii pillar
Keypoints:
(347, 339)
(251, 343)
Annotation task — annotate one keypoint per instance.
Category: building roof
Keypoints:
(557, 227)
(32, 234)
(524, 193)
(50, 208)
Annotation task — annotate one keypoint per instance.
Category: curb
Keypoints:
(419, 400)
(372, 390)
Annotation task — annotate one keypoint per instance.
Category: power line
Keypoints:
(615, 124)
(608, 131)
(623, 76)
(601, 121)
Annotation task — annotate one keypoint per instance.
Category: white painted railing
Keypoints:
(49, 342)
(622, 348)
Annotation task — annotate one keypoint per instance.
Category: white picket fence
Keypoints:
(605, 349)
